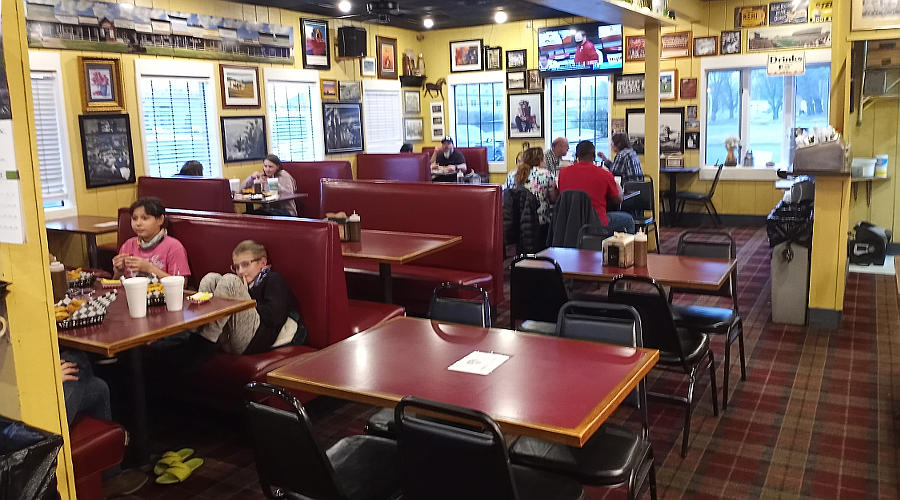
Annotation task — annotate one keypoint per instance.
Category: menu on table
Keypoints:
(479, 362)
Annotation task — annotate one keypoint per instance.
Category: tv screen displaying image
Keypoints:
(580, 48)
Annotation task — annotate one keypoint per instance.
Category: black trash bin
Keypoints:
(27, 461)
(789, 227)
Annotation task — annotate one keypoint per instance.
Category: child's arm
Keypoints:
(273, 308)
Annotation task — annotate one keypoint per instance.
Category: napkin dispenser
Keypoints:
(340, 219)
(618, 250)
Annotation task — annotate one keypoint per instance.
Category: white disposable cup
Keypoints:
(136, 295)
(273, 185)
(173, 286)
(618, 180)
(235, 185)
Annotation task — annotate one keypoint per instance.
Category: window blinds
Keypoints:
(176, 124)
(49, 142)
(290, 120)
(382, 121)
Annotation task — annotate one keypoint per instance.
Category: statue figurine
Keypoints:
(420, 66)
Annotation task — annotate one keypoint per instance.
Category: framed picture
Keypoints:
(706, 46)
(436, 109)
(534, 80)
(515, 80)
(493, 58)
(676, 44)
(789, 36)
(873, 15)
(240, 86)
(617, 125)
(750, 17)
(101, 85)
(350, 91)
(692, 112)
(411, 102)
(515, 59)
(466, 55)
(634, 48)
(688, 88)
(343, 127)
(692, 140)
(794, 12)
(821, 11)
(667, 86)
(731, 42)
(437, 133)
(413, 130)
(525, 115)
(244, 138)
(691, 125)
(386, 50)
(629, 87)
(367, 67)
(437, 120)
(314, 40)
(329, 90)
(106, 150)
(671, 131)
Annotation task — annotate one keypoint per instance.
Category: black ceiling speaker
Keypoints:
(351, 42)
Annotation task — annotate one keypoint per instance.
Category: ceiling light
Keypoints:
(344, 6)
(500, 17)
(428, 22)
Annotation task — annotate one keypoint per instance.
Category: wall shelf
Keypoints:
(854, 187)
(859, 36)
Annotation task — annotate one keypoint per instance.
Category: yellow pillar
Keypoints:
(30, 380)
(651, 103)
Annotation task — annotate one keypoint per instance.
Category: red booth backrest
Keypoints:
(476, 158)
(307, 174)
(472, 211)
(190, 193)
(409, 167)
(307, 253)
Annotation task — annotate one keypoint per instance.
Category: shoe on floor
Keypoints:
(125, 483)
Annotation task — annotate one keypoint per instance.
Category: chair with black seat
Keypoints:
(680, 350)
(536, 292)
(712, 244)
(439, 460)
(705, 199)
(288, 459)
(641, 204)
(615, 454)
(591, 236)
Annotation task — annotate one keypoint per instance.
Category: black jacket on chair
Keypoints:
(520, 220)
(573, 210)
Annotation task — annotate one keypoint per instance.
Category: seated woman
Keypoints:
(626, 163)
(534, 176)
(406, 148)
(286, 185)
(151, 251)
(191, 168)
(274, 322)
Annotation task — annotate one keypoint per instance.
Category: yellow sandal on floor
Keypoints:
(171, 458)
(179, 471)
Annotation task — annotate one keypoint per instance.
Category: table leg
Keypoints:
(91, 240)
(140, 436)
(387, 286)
(673, 184)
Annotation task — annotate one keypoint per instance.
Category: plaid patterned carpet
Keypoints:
(814, 419)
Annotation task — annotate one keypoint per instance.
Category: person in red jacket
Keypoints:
(599, 184)
(585, 53)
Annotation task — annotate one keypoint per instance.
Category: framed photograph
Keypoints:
(349, 91)
(634, 48)
(668, 90)
(692, 112)
(106, 150)
(691, 125)
(617, 125)
(413, 130)
(101, 85)
(367, 67)
(671, 129)
(688, 88)
(493, 58)
(534, 80)
(466, 55)
(343, 127)
(240, 86)
(731, 42)
(329, 90)
(314, 40)
(437, 133)
(676, 44)
(629, 87)
(692, 140)
(794, 12)
(411, 102)
(789, 36)
(386, 50)
(515, 59)
(706, 46)
(437, 108)
(874, 15)
(515, 80)
(437, 120)
(526, 113)
(244, 138)
(750, 17)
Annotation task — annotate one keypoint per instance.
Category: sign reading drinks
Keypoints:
(786, 64)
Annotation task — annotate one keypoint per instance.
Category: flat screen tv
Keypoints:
(580, 49)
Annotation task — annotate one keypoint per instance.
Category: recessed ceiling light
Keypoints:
(500, 17)
(344, 6)
(428, 22)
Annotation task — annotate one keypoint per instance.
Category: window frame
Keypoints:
(548, 110)
(49, 62)
(494, 167)
(167, 68)
(307, 76)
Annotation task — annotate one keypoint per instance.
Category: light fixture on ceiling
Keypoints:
(500, 17)
(344, 6)
(428, 23)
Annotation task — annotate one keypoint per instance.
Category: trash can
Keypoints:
(789, 227)
(27, 461)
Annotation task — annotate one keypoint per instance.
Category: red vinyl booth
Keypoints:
(476, 159)
(409, 167)
(97, 445)
(308, 174)
(190, 193)
(472, 211)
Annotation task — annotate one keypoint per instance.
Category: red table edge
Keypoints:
(451, 241)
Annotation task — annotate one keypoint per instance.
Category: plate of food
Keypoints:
(200, 297)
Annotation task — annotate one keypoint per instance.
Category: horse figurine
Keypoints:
(436, 87)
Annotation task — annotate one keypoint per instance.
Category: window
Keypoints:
(295, 114)
(382, 116)
(579, 110)
(478, 117)
(179, 119)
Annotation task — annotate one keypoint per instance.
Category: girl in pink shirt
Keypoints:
(151, 251)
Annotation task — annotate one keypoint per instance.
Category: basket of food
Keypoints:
(76, 278)
(200, 298)
(75, 313)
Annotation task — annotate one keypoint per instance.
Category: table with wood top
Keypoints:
(672, 173)
(246, 200)
(89, 226)
(551, 388)
(120, 333)
(394, 247)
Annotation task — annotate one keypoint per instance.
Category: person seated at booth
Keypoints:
(287, 185)
(152, 251)
(406, 148)
(443, 159)
(191, 168)
(599, 184)
(626, 163)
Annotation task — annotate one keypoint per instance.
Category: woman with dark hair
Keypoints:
(533, 175)
(406, 148)
(626, 163)
(152, 251)
(192, 168)
(272, 169)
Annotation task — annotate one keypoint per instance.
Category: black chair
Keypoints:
(705, 199)
(713, 320)
(641, 204)
(591, 236)
(614, 455)
(680, 350)
(439, 460)
(536, 292)
(288, 459)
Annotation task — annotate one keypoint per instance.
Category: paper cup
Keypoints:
(235, 185)
(273, 185)
(173, 286)
(136, 295)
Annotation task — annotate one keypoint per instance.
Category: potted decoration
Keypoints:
(731, 143)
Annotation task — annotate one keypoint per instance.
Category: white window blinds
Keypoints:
(382, 121)
(177, 124)
(291, 120)
(49, 142)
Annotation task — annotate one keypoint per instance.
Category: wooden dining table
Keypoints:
(242, 199)
(551, 388)
(87, 225)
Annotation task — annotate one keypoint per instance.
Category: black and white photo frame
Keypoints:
(516, 59)
(343, 127)
(243, 138)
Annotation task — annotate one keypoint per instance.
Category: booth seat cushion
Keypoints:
(97, 445)
(308, 175)
(410, 167)
(366, 314)
(190, 193)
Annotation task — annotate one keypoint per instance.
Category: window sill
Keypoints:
(767, 174)
(498, 167)
(59, 213)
